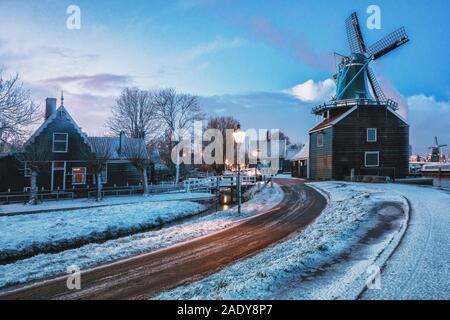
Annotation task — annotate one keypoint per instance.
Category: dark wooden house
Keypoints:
(370, 139)
(67, 150)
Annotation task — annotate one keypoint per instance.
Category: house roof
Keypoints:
(291, 152)
(335, 117)
(340, 114)
(302, 154)
(63, 111)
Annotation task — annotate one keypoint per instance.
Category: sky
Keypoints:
(266, 63)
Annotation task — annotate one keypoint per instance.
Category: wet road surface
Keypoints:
(146, 275)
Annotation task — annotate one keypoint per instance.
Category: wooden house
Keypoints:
(66, 166)
(370, 139)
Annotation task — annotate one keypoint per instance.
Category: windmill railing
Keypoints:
(352, 103)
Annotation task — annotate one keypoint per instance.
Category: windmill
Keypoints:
(353, 72)
(435, 155)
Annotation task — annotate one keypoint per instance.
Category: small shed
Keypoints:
(300, 163)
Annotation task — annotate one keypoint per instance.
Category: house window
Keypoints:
(27, 171)
(372, 135)
(60, 142)
(103, 175)
(372, 159)
(78, 175)
(320, 139)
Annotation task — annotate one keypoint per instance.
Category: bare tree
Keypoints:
(17, 111)
(177, 112)
(135, 114)
(100, 152)
(136, 151)
(33, 157)
(223, 124)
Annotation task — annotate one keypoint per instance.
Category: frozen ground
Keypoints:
(420, 267)
(20, 208)
(26, 235)
(46, 265)
(332, 259)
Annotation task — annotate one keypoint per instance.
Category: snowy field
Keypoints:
(36, 233)
(91, 255)
(290, 269)
(20, 208)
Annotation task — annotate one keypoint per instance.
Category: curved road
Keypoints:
(144, 276)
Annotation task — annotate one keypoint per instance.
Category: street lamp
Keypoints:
(239, 138)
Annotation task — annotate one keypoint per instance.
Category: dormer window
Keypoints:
(60, 142)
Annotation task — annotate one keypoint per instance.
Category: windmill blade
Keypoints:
(388, 43)
(379, 94)
(376, 88)
(354, 35)
(436, 140)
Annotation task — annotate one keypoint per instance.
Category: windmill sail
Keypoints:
(388, 43)
(354, 35)
(376, 88)
(378, 92)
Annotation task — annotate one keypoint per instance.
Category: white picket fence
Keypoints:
(210, 183)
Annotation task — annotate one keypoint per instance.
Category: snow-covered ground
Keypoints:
(313, 264)
(90, 255)
(420, 267)
(20, 208)
(36, 233)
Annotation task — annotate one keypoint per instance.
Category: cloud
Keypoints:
(264, 30)
(428, 118)
(214, 46)
(102, 84)
(311, 91)
(263, 110)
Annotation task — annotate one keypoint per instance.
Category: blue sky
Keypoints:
(242, 57)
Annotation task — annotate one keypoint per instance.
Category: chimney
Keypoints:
(121, 142)
(50, 107)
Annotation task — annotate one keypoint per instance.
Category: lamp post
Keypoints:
(239, 138)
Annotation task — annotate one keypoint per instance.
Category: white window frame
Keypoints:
(66, 141)
(26, 171)
(59, 169)
(105, 180)
(372, 152)
(322, 135)
(376, 135)
(84, 176)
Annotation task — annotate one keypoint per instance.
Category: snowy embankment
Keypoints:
(82, 203)
(308, 266)
(46, 265)
(26, 235)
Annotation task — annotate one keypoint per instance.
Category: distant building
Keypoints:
(300, 163)
(66, 167)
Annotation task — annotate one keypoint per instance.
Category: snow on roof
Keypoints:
(291, 152)
(62, 111)
(302, 155)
